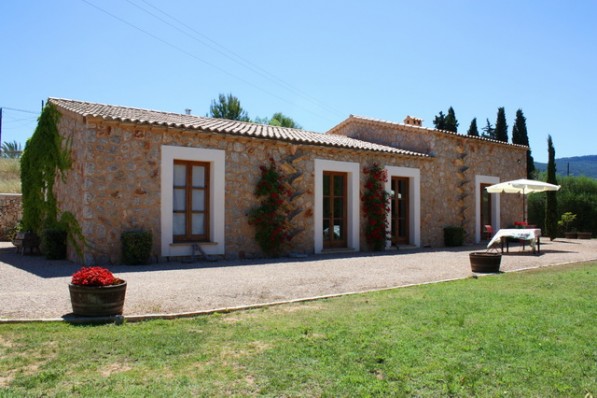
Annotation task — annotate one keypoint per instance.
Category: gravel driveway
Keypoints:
(34, 288)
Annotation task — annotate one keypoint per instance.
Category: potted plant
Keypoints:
(485, 262)
(453, 236)
(566, 222)
(95, 291)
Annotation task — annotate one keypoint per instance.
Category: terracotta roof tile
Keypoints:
(380, 122)
(221, 126)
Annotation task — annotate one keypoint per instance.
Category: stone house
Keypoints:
(191, 180)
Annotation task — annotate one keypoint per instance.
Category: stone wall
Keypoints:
(10, 213)
(114, 185)
(448, 182)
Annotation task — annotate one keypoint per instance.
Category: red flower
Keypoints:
(94, 276)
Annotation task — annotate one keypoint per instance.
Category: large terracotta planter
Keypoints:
(570, 235)
(97, 300)
(585, 235)
(484, 262)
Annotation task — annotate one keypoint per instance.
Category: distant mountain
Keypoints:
(574, 166)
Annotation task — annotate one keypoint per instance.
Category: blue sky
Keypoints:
(315, 61)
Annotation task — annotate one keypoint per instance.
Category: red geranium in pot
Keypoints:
(95, 291)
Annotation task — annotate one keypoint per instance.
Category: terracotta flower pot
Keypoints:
(570, 235)
(97, 300)
(484, 262)
(585, 235)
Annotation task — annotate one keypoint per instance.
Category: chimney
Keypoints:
(187, 111)
(413, 121)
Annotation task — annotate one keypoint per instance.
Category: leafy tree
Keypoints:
(278, 119)
(551, 204)
(488, 131)
(228, 107)
(519, 136)
(451, 121)
(11, 150)
(578, 195)
(440, 121)
(501, 127)
(473, 130)
(281, 120)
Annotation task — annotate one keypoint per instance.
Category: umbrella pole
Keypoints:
(524, 209)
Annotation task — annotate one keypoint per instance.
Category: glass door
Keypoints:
(334, 209)
(400, 211)
(485, 207)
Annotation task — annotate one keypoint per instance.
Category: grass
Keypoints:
(10, 176)
(528, 334)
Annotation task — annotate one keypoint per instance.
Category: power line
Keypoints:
(182, 50)
(18, 110)
(233, 56)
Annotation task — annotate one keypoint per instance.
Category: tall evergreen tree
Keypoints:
(551, 204)
(520, 136)
(488, 131)
(228, 107)
(451, 123)
(473, 130)
(440, 121)
(501, 127)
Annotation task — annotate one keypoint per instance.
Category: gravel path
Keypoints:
(34, 288)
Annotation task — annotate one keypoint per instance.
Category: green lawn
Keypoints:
(526, 334)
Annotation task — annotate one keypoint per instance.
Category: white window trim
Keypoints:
(217, 160)
(353, 201)
(495, 205)
(414, 208)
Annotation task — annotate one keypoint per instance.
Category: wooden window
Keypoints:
(191, 201)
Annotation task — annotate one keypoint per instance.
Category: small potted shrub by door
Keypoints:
(95, 291)
(485, 262)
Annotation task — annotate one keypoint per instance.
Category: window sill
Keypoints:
(183, 244)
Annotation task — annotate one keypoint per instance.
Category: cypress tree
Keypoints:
(473, 130)
(488, 131)
(501, 127)
(520, 136)
(551, 204)
(451, 123)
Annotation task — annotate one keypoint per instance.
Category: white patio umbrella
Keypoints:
(524, 187)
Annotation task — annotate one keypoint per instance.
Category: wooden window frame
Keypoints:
(188, 187)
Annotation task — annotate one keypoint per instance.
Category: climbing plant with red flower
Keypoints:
(270, 218)
(376, 207)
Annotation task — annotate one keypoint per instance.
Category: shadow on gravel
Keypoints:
(38, 265)
(41, 267)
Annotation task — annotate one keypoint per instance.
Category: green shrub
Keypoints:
(136, 247)
(53, 243)
(453, 236)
